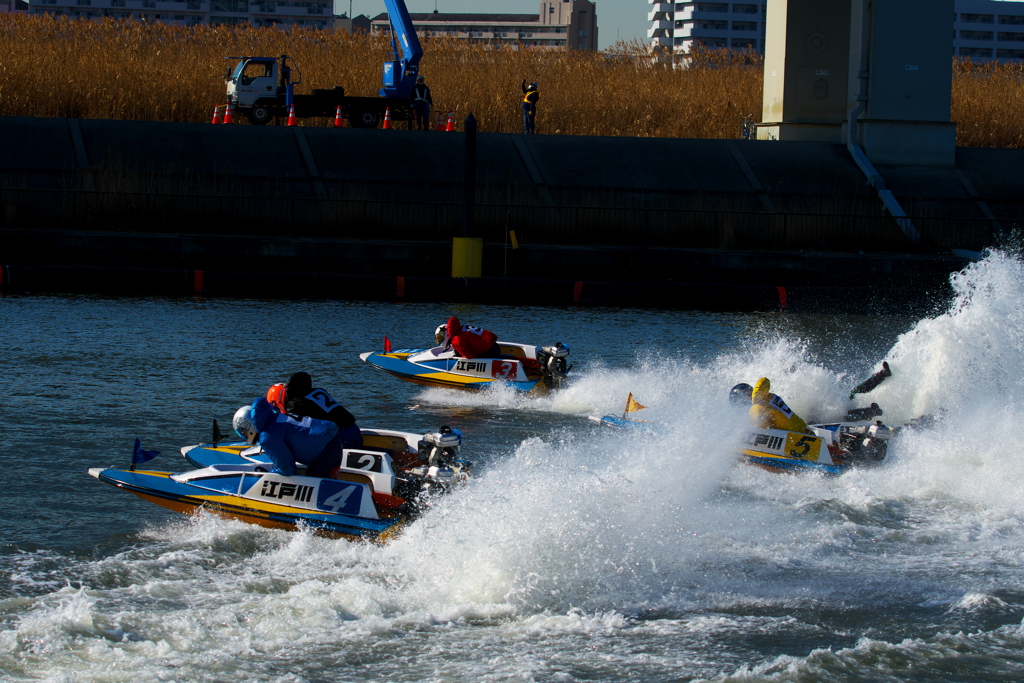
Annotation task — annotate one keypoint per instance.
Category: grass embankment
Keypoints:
(55, 67)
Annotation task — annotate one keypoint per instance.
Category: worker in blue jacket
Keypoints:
(289, 440)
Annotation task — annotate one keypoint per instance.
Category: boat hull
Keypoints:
(335, 508)
(452, 372)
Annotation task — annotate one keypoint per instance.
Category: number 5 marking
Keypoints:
(802, 447)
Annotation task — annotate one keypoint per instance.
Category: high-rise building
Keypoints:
(982, 29)
(560, 25)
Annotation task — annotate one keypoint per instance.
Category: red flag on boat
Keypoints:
(387, 344)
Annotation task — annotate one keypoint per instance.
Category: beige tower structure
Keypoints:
(874, 74)
(806, 67)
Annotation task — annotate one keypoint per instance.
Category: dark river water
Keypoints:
(574, 553)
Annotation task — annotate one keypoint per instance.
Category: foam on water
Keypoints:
(587, 553)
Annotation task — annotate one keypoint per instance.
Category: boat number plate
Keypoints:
(504, 369)
(803, 446)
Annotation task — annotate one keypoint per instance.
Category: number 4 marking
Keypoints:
(338, 500)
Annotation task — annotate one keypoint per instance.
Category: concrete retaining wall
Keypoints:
(385, 204)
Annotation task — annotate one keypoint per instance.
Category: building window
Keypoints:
(744, 9)
(1010, 54)
(1012, 37)
(583, 33)
(975, 52)
(744, 26)
(1011, 19)
(976, 18)
(975, 35)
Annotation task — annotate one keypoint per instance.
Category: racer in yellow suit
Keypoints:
(769, 411)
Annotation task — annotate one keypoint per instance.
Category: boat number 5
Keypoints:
(802, 446)
(503, 369)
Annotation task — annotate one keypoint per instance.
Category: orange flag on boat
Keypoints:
(632, 405)
(387, 344)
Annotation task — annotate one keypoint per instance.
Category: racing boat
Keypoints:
(377, 488)
(831, 448)
(520, 366)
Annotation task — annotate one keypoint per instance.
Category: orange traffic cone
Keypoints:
(216, 114)
(229, 113)
(339, 122)
(291, 116)
(440, 123)
(451, 122)
(387, 119)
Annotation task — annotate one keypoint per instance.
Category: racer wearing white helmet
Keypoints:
(242, 422)
(440, 332)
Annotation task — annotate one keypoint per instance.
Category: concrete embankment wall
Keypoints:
(374, 203)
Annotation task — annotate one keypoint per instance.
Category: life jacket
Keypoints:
(531, 97)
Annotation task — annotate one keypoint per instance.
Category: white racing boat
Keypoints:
(523, 367)
(378, 486)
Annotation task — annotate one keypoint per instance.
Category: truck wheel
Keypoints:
(364, 118)
(260, 115)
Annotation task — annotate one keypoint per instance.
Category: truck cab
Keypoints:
(254, 87)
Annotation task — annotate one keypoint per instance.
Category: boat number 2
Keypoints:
(801, 447)
(503, 369)
(363, 461)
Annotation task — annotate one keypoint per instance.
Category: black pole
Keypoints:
(469, 181)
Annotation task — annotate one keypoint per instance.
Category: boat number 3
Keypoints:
(503, 369)
(801, 447)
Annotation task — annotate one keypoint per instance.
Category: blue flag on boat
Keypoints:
(140, 456)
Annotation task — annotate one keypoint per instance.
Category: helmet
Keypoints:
(242, 422)
(739, 395)
(419, 79)
(275, 396)
(533, 86)
(440, 332)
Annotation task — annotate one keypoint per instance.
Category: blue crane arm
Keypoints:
(400, 73)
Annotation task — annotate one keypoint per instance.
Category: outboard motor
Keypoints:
(552, 359)
(869, 442)
(440, 448)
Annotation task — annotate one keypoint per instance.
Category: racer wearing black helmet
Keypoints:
(739, 395)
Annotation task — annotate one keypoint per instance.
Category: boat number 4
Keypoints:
(338, 500)
(503, 369)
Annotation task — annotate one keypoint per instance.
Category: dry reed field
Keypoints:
(57, 67)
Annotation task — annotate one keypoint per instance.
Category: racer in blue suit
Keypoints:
(289, 440)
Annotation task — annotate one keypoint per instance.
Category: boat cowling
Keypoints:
(553, 360)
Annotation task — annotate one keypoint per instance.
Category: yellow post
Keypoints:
(467, 256)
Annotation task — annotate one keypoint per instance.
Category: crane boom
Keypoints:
(400, 72)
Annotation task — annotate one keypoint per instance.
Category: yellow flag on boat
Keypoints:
(632, 405)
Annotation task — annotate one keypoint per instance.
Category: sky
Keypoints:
(616, 19)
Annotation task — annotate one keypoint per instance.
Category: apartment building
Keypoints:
(192, 12)
(560, 25)
(988, 29)
(982, 29)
